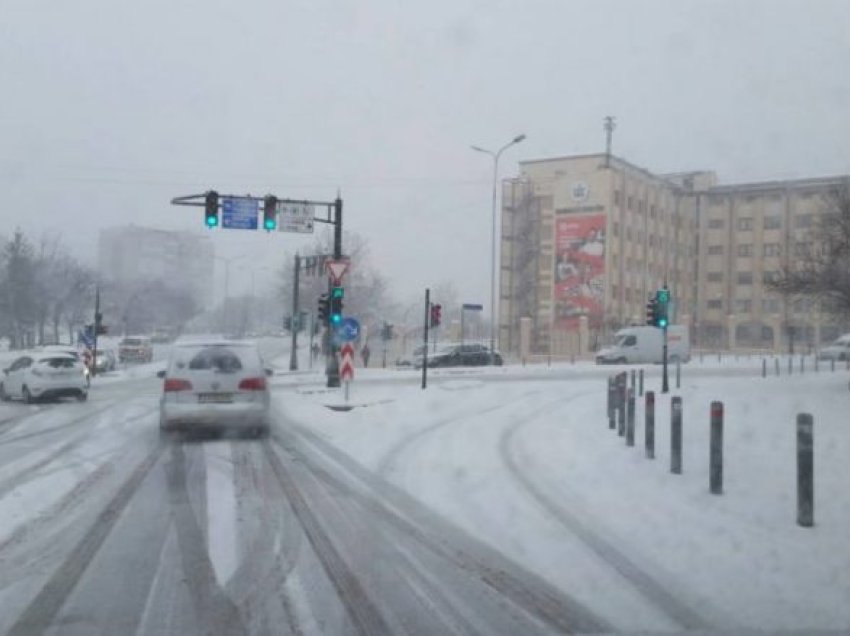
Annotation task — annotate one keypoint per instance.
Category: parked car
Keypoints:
(44, 376)
(105, 361)
(838, 350)
(135, 349)
(461, 355)
(215, 383)
(411, 360)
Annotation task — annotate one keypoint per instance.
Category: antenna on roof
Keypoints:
(609, 125)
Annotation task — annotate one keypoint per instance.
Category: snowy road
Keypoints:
(106, 529)
(494, 503)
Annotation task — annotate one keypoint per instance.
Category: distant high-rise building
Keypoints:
(182, 260)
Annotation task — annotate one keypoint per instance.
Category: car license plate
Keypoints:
(215, 398)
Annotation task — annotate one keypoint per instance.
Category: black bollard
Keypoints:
(790, 365)
(776, 360)
(676, 436)
(764, 367)
(649, 425)
(805, 471)
(715, 458)
(802, 364)
(630, 419)
(678, 373)
(832, 360)
(640, 382)
(633, 382)
(817, 370)
(610, 402)
(621, 407)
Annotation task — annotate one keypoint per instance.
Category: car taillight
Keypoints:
(176, 384)
(253, 384)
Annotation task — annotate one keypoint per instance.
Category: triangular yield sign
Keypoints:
(337, 269)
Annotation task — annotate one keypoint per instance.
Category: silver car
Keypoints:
(215, 383)
(838, 350)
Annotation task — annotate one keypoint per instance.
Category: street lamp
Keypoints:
(493, 318)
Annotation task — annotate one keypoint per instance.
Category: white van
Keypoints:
(635, 345)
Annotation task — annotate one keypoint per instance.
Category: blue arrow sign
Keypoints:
(348, 330)
(239, 213)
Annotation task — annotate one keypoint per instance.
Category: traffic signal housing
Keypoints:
(337, 294)
(270, 213)
(324, 306)
(662, 298)
(287, 323)
(436, 315)
(652, 311)
(211, 209)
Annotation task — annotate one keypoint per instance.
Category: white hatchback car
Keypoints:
(44, 376)
(215, 383)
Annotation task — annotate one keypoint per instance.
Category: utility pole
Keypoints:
(293, 354)
(609, 125)
(97, 319)
(425, 338)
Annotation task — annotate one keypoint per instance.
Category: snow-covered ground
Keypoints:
(530, 466)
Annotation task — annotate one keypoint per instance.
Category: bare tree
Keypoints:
(819, 266)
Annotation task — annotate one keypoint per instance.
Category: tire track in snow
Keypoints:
(644, 583)
(40, 613)
(520, 587)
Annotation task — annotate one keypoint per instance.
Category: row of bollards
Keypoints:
(802, 369)
(621, 405)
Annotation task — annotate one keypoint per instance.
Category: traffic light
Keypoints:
(652, 311)
(337, 294)
(270, 213)
(436, 315)
(323, 307)
(287, 323)
(387, 332)
(663, 303)
(211, 209)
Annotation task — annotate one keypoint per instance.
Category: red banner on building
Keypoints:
(579, 270)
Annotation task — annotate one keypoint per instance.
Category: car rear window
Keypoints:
(219, 358)
(57, 363)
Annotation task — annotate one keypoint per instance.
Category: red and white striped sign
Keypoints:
(346, 367)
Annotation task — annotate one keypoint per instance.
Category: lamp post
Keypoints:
(493, 318)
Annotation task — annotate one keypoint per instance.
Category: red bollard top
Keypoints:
(717, 409)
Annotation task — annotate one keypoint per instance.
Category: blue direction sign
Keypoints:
(348, 330)
(239, 213)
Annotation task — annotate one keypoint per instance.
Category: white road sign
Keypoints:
(295, 217)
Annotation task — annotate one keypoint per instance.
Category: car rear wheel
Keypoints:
(82, 396)
(28, 399)
(3, 395)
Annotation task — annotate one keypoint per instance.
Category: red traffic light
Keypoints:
(436, 315)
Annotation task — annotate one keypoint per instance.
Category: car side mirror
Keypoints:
(160, 374)
(269, 372)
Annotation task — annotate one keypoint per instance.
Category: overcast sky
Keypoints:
(109, 109)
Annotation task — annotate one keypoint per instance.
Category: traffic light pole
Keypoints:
(665, 386)
(97, 319)
(293, 354)
(332, 368)
(425, 336)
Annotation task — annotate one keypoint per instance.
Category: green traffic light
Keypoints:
(269, 224)
(662, 322)
(336, 318)
(338, 292)
(212, 221)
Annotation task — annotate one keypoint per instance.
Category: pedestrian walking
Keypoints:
(364, 353)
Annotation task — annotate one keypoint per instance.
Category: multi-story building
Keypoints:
(184, 260)
(587, 239)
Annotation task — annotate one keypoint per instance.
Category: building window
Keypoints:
(714, 304)
(802, 249)
(745, 223)
(641, 206)
(803, 221)
(772, 223)
(715, 250)
(651, 240)
(745, 249)
(745, 278)
(743, 305)
(715, 277)
(630, 203)
(628, 234)
(618, 197)
(614, 291)
(772, 249)
(628, 295)
(770, 305)
(615, 229)
(715, 224)
(769, 277)
(652, 211)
